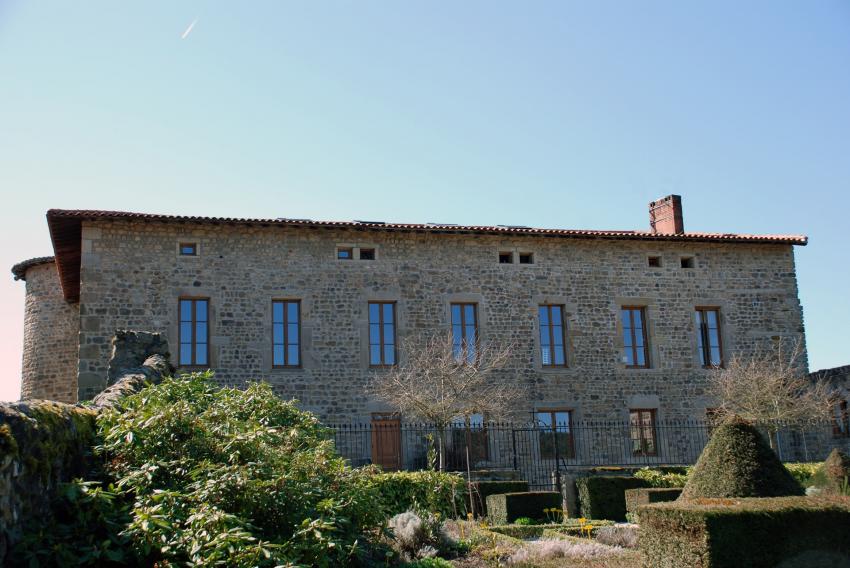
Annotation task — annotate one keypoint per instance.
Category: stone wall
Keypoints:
(45, 443)
(51, 338)
(132, 277)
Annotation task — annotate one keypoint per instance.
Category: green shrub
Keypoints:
(754, 533)
(570, 528)
(603, 497)
(737, 462)
(431, 491)
(646, 495)
(233, 477)
(83, 529)
(480, 490)
(803, 471)
(661, 478)
(833, 475)
(525, 521)
(435, 562)
(507, 507)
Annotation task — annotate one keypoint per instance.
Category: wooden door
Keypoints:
(386, 441)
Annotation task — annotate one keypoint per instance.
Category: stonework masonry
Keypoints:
(132, 276)
(51, 331)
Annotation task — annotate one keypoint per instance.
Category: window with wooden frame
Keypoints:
(709, 344)
(552, 335)
(841, 420)
(193, 332)
(286, 333)
(188, 249)
(555, 433)
(635, 344)
(642, 431)
(465, 331)
(382, 342)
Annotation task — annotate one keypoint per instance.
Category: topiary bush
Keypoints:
(480, 490)
(737, 462)
(222, 476)
(507, 507)
(603, 497)
(798, 532)
(646, 495)
(833, 476)
(431, 491)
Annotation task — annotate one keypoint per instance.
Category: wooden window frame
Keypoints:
(285, 322)
(554, 428)
(653, 412)
(843, 418)
(702, 332)
(381, 304)
(463, 338)
(194, 321)
(551, 330)
(193, 245)
(647, 363)
(654, 258)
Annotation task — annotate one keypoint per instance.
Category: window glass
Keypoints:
(382, 333)
(286, 333)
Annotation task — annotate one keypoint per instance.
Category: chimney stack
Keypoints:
(665, 215)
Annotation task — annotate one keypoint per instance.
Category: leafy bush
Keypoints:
(832, 476)
(803, 472)
(431, 491)
(235, 477)
(737, 462)
(507, 507)
(603, 497)
(660, 478)
(524, 521)
(482, 489)
(758, 533)
(84, 529)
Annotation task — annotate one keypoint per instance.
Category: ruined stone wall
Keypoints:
(132, 278)
(51, 338)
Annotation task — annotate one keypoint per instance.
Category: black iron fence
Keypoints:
(541, 452)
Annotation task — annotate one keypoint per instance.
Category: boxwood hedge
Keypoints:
(603, 496)
(646, 495)
(480, 490)
(746, 533)
(508, 507)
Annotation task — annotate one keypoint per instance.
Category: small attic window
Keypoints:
(188, 249)
(526, 258)
(367, 254)
(506, 258)
(687, 262)
(345, 253)
(654, 261)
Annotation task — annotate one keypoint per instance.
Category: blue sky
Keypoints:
(553, 114)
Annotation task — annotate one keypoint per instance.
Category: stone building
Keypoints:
(614, 325)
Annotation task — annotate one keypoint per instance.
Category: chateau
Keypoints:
(605, 324)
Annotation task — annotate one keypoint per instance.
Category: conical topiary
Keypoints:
(833, 476)
(738, 462)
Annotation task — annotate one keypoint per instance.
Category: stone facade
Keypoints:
(51, 330)
(132, 276)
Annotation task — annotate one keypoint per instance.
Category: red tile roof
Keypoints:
(66, 228)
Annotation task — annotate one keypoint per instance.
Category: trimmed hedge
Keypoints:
(433, 491)
(738, 462)
(507, 507)
(603, 497)
(480, 490)
(646, 495)
(571, 527)
(751, 532)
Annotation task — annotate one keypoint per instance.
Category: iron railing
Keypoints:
(540, 453)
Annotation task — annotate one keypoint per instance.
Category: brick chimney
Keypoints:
(665, 215)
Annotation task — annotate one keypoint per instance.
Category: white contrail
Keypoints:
(189, 29)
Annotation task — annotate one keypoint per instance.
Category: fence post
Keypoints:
(557, 458)
(513, 447)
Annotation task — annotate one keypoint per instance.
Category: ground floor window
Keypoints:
(841, 420)
(555, 433)
(642, 432)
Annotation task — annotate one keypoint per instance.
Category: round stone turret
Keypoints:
(51, 334)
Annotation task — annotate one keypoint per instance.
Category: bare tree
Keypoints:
(771, 387)
(440, 381)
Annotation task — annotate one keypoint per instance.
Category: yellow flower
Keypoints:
(582, 520)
